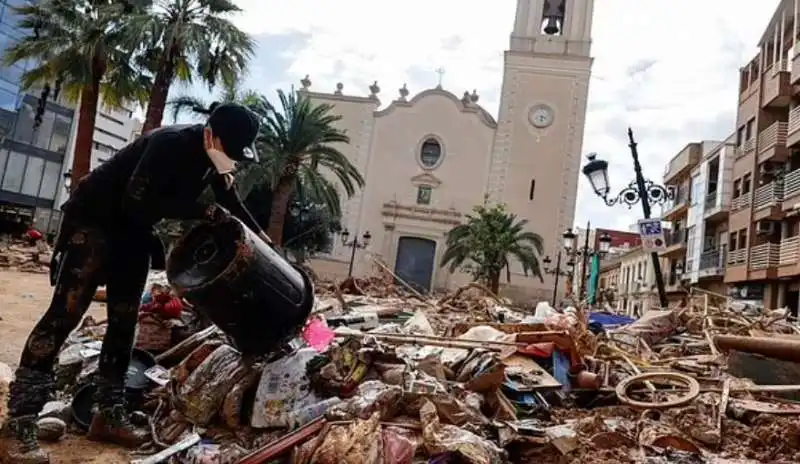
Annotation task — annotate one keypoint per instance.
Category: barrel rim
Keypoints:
(228, 269)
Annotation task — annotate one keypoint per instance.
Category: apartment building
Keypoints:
(631, 278)
(764, 220)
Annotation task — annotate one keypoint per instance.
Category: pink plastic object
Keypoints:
(318, 335)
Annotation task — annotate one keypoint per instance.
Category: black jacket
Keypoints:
(160, 175)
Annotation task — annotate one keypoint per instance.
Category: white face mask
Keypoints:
(221, 162)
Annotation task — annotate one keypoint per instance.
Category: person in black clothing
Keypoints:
(106, 238)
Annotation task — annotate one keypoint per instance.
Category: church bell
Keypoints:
(553, 14)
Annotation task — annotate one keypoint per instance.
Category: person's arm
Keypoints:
(228, 196)
(141, 203)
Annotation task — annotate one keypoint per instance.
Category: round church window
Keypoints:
(430, 153)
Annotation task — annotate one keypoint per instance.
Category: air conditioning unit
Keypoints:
(765, 227)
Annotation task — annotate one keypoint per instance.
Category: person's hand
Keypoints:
(216, 214)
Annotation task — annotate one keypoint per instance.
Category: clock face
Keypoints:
(541, 116)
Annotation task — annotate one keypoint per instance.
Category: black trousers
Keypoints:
(92, 256)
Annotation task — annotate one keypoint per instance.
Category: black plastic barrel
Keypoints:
(241, 284)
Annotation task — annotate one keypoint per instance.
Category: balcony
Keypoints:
(767, 201)
(764, 256)
(712, 263)
(737, 257)
(791, 190)
(795, 76)
(741, 202)
(776, 87)
(676, 242)
(714, 209)
(789, 257)
(793, 134)
(683, 162)
(677, 207)
(772, 143)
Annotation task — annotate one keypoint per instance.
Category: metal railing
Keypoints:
(790, 251)
(714, 259)
(772, 136)
(676, 237)
(791, 184)
(765, 255)
(737, 257)
(742, 201)
(748, 145)
(768, 195)
(711, 200)
(794, 119)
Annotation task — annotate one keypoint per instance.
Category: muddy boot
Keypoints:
(18, 442)
(112, 424)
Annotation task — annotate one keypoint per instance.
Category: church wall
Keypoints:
(396, 174)
(358, 123)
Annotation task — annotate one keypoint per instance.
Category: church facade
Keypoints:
(429, 158)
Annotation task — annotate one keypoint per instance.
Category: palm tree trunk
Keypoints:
(280, 206)
(158, 97)
(494, 282)
(84, 139)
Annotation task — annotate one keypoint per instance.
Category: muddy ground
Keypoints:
(23, 298)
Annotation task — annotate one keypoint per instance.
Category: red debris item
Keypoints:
(539, 350)
(171, 308)
(34, 234)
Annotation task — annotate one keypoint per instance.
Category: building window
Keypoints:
(112, 135)
(15, 171)
(424, 195)
(430, 154)
(746, 184)
(33, 177)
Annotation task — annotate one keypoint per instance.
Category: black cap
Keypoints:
(237, 128)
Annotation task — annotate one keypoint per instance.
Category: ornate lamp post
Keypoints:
(569, 243)
(586, 252)
(639, 190)
(354, 245)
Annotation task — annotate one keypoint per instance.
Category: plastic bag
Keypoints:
(371, 397)
(283, 388)
(400, 445)
(203, 393)
(440, 438)
(360, 442)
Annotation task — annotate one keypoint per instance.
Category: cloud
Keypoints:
(667, 69)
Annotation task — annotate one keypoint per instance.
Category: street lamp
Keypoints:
(640, 190)
(569, 242)
(586, 252)
(354, 245)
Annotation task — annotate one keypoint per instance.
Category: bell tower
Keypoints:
(537, 149)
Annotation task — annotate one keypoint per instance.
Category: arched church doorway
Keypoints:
(415, 260)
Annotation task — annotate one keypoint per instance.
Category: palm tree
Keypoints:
(187, 39)
(487, 243)
(297, 141)
(84, 47)
(231, 92)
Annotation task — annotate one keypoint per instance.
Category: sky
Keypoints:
(668, 69)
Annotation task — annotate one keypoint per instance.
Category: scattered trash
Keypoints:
(382, 374)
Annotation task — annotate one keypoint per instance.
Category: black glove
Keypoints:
(216, 214)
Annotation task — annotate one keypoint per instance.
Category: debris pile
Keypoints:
(19, 256)
(382, 374)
